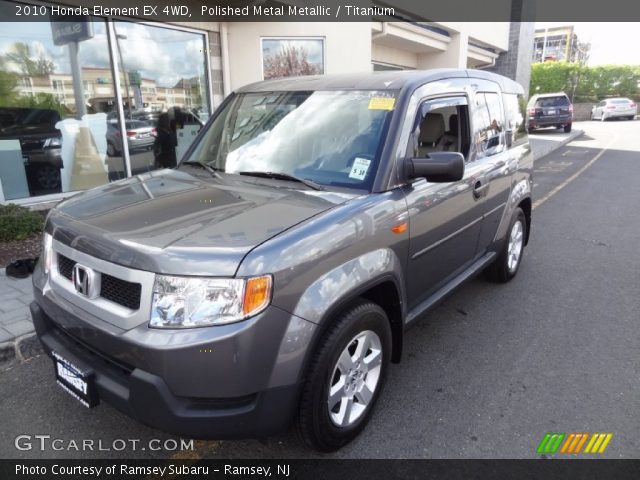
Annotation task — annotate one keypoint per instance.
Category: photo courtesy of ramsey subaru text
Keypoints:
(269, 278)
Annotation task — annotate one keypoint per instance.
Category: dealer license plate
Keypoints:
(76, 382)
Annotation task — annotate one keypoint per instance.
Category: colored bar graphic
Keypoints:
(581, 442)
(550, 442)
(598, 443)
(573, 442)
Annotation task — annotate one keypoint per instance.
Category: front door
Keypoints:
(444, 220)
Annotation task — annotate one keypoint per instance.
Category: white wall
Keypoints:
(347, 46)
(496, 34)
(393, 56)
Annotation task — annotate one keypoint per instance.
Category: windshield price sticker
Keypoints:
(360, 168)
(381, 103)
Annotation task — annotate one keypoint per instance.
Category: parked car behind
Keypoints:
(140, 135)
(40, 142)
(614, 108)
(549, 110)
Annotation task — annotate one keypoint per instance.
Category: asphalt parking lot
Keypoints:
(486, 374)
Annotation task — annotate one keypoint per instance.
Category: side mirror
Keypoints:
(438, 167)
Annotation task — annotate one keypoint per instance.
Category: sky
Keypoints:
(612, 43)
(160, 54)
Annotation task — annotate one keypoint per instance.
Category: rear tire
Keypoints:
(506, 266)
(567, 128)
(112, 151)
(345, 378)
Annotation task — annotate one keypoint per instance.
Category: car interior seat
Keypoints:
(431, 133)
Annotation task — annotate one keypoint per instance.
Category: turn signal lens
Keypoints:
(257, 295)
(400, 228)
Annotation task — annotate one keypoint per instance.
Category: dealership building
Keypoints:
(76, 101)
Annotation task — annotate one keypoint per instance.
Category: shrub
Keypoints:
(18, 223)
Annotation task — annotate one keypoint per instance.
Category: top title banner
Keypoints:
(329, 10)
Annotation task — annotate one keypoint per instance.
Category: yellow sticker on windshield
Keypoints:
(381, 103)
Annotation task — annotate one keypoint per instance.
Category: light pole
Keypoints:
(120, 36)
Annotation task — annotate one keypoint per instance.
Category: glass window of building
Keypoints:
(60, 128)
(52, 132)
(164, 83)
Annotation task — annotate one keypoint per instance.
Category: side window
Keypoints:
(442, 126)
(514, 119)
(488, 124)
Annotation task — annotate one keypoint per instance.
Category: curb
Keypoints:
(22, 349)
(543, 152)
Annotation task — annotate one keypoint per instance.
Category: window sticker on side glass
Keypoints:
(381, 103)
(360, 168)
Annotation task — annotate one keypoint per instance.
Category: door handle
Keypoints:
(480, 189)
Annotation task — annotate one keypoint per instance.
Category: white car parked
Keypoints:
(614, 108)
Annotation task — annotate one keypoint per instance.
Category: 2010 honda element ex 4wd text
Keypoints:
(270, 277)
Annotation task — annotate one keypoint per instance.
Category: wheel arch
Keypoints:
(526, 206)
(384, 291)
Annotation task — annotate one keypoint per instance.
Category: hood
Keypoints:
(172, 222)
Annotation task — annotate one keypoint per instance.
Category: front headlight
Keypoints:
(53, 142)
(47, 241)
(186, 302)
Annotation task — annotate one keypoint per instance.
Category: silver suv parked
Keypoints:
(270, 277)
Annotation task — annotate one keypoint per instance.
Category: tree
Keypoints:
(8, 82)
(20, 54)
(289, 61)
(584, 83)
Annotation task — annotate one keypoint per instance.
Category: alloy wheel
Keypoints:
(355, 378)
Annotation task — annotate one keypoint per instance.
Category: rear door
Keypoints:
(491, 161)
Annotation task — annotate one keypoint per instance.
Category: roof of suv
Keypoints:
(548, 95)
(389, 80)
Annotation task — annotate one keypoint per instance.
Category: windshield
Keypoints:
(331, 138)
(560, 101)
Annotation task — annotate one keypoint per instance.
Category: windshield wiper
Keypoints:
(284, 176)
(212, 170)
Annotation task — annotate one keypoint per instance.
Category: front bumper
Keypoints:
(147, 398)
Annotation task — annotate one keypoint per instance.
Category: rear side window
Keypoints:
(488, 124)
(621, 101)
(514, 120)
(560, 101)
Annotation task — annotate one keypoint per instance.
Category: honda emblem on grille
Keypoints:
(85, 281)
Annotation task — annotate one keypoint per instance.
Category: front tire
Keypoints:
(345, 377)
(48, 177)
(506, 266)
(567, 128)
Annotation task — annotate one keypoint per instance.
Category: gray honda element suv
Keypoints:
(270, 277)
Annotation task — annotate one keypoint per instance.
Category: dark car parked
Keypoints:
(40, 142)
(270, 277)
(550, 110)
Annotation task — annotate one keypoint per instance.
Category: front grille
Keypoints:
(65, 266)
(113, 289)
(120, 291)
